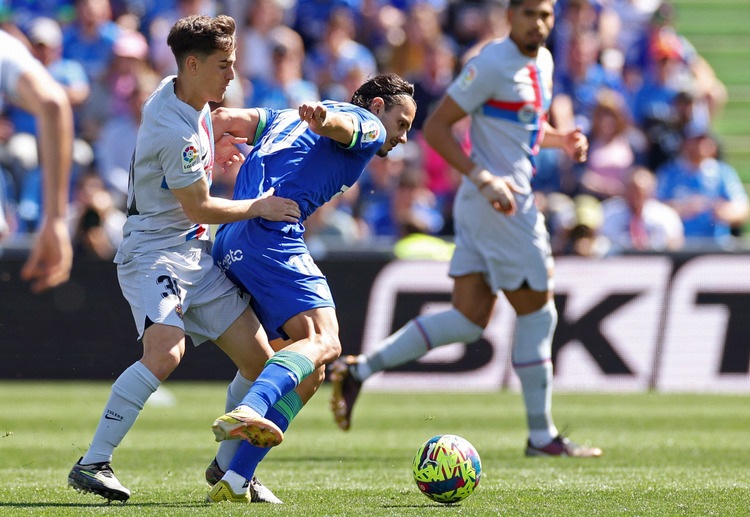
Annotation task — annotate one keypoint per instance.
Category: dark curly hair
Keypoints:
(393, 89)
(203, 35)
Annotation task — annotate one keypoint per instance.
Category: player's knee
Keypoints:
(330, 347)
(162, 364)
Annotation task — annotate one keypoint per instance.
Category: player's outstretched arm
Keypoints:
(336, 126)
(239, 122)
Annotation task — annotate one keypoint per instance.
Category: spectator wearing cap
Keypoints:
(706, 192)
(659, 39)
(666, 102)
(573, 224)
(46, 38)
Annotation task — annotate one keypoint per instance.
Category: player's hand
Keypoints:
(314, 113)
(51, 257)
(576, 145)
(226, 154)
(496, 189)
(275, 208)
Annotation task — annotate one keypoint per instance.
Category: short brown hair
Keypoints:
(203, 35)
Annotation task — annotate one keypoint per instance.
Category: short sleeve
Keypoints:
(15, 60)
(732, 186)
(475, 84)
(369, 132)
(181, 160)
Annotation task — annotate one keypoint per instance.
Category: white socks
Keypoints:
(129, 393)
(236, 391)
(532, 352)
(416, 338)
(236, 481)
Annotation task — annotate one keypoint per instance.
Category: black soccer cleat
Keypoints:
(345, 391)
(99, 479)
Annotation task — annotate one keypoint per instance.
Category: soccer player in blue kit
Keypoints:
(309, 155)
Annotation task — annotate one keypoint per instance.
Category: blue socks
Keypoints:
(283, 372)
(248, 456)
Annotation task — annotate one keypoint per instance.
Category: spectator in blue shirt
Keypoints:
(90, 38)
(286, 88)
(706, 192)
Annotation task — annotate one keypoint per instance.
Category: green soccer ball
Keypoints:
(447, 468)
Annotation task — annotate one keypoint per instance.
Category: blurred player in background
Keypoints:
(311, 155)
(501, 240)
(26, 83)
(164, 262)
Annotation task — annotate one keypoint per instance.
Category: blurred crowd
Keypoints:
(655, 179)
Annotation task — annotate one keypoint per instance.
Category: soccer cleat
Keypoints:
(99, 479)
(221, 491)
(213, 473)
(561, 446)
(246, 424)
(255, 492)
(345, 391)
(259, 493)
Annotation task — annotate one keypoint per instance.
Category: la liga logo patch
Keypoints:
(468, 75)
(189, 157)
(370, 131)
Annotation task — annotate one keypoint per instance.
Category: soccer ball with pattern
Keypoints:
(447, 468)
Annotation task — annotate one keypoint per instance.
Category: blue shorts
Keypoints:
(275, 268)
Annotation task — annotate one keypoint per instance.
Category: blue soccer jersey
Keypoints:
(269, 259)
(303, 166)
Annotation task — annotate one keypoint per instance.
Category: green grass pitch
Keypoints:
(664, 455)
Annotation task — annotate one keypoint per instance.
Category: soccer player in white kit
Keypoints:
(164, 263)
(26, 83)
(501, 240)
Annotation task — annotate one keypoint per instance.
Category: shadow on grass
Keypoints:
(187, 504)
(427, 506)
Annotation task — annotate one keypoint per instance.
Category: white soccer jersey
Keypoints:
(15, 59)
(174, 149)
(507, 95)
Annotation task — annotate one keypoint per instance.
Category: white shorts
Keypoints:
(512, 251)
(181, 287)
